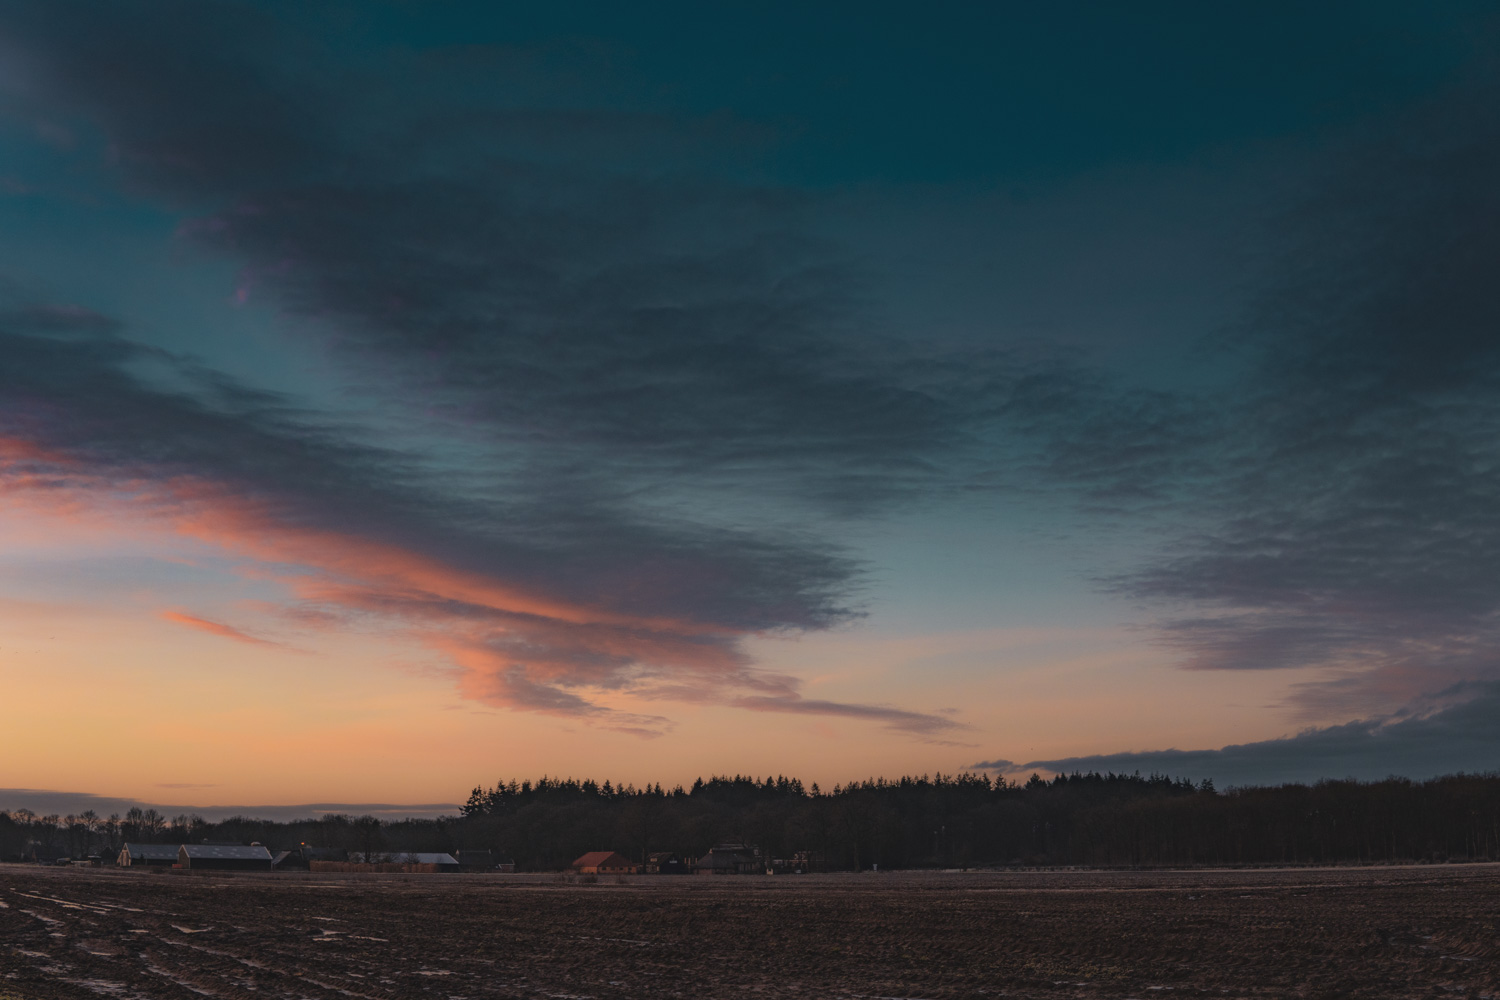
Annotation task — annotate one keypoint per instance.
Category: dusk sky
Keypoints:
(397, 396)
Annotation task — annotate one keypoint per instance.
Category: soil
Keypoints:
(1314, 933)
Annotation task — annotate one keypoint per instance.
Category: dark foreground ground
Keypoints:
(1372, 932)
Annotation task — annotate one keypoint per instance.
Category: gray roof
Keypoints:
(222, 851)
(162, 851)
(722, 859)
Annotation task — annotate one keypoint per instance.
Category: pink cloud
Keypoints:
(514, 647)
(216, 628)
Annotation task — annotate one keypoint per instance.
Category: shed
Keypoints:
(603, 863)
(665, 863)
(224, 856)
(147, 854)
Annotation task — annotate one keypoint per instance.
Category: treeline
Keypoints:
(963, 820)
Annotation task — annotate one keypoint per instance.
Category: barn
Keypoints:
(603, 863)
(224, 856)
(163, 855)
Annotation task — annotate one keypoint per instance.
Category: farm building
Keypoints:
(302, 856)
(665, 863)
(147, 854)
(603, 863)
(730, 859)
(224, 856)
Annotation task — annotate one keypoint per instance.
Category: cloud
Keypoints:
(216, 628)
(998, 764)
(640, 388)
(510, 595)
(635, 382)
(1349, 522)
(921, 723)
(1454, 732)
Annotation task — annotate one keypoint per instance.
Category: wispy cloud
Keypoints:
(217, 628)
(920, 723)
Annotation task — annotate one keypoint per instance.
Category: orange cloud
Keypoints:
(516, 647)
(215, 628)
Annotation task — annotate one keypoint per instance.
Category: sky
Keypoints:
(397, 397)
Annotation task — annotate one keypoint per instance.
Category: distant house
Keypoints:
(730, 859)
(232, 857)
(162, 855)
(603, 863)
(666, 863)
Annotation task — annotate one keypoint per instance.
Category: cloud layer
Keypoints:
(617, 390)
(1352, 525)
(586, 355)
(1447, 739)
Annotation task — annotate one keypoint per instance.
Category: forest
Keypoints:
(943, 821)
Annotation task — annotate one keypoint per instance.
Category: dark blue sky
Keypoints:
(976, 94)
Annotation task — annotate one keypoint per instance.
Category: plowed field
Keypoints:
(1371, 932)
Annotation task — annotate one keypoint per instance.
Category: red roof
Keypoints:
(601, 859)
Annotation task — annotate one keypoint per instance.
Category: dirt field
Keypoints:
(1375, 932)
